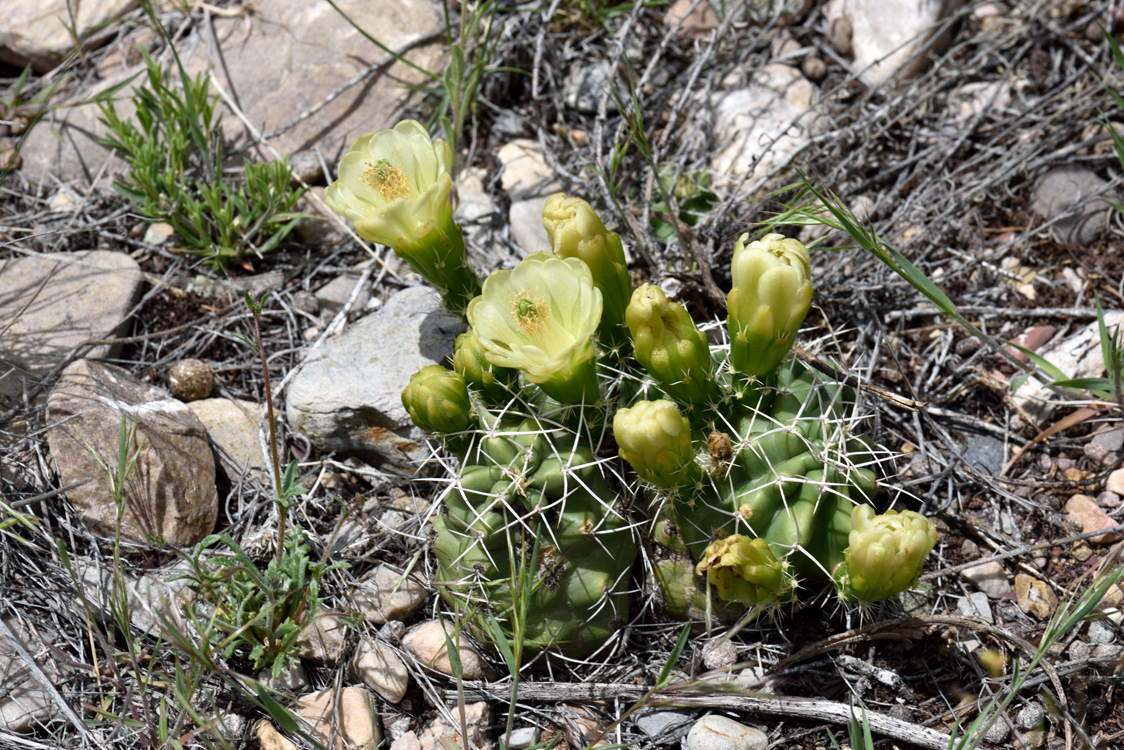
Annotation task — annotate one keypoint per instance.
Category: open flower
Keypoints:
(576, 231)
(655, 439)
(395, 185)
(744, 569)
(771, 294)
(540, 318)
(885, 553)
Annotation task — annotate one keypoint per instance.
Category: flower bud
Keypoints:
(575, 231)
(885, 553)
(771, 294)
(540, 318)
(670, 347)
(744, 569)
(437, 400)
(494, 383)
(655, 439)
(395, 185)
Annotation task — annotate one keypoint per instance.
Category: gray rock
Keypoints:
(335, 294)
(347, 397)
(170, 489)
(997, 733)
(986, 453)
(523, 737)
(158, 592)
(526, 226)
(990, 578)
(893, 38)
(1101, 632)
(25, 704)
(772, 118)
(292, 678)
(715, 732)
(525, 171)
(976, 605)
(323, 640)
(379, 667)
(84, 296)
(587, 84)
(1064, 188)
(664, 726)
(1104, 446)
(719, 653)
(440, 735)
(233, 427)
(191, 380)
(35, 31)
(1107, 652)
(385, 594)
(1030, 716)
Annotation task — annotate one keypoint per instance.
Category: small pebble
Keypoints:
(814, 68)
(1115, 483)
(191, 380)
(990, 578)
(997, 732)
(1065, 464)
(839, 33)
(523, 737)
(715, 732)
(1030, 716)
(427, 644)
(1084, 511)
(1082, 551)
(1035, 597)
(1100, 632)
(1108, 500)
(719, 653)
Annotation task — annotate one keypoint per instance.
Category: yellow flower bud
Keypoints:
(771, 294)
(744, 569)
(540, 318)
(655, 439)
(669, 346)
(576, 231)
(437, 400)
(885, 553)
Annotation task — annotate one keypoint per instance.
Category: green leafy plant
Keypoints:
(692, 193)
(173, 148)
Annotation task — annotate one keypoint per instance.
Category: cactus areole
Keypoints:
(756, 481)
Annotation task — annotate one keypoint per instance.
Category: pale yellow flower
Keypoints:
(885, 553)
(655, 439)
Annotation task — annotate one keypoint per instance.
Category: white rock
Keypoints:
(523, 737)
(990, 578)
(25, 704)
(381, 669)
(776, 106)
(525, 173)
(976, 604)
(891, 36)
(715, 732)
(1078, 356)
(526, 226)
(34, 31)
(477, 717)
(233, 428)
(1115, 483)
(426, 643)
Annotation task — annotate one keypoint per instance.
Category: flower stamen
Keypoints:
(386, 178)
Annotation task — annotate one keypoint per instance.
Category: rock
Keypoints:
(406, 741)
(347, 396)
(323, 640)
(990, 578)
(1030, 716)
(1104, 446)
(839, 34)
(292, 678)
(477, 717)
(474, 207)
(1064, 188)
(693, 22)
(717, 732)
(986, 454)
(335, 294)
(1078, 356)
(971, 99)
(385, 594)
(1108, 500)
(347, 725)
(1033, 338)
(589, 83)
(813, 68)
(719, 653)
(24, 704)
(84, 296)
(320, 226)
(663, 723)
(1080, 651)
(893, 38)
(975, 604)
(271, 738)
(158, 592)
(527, 232)
(1107, 652)
(1035, 597)
(1100, 632)
(1084, 511)
(380, 668)
(307, 303)
(171, 487)
(524, 737)
(426, 642)
(525, 173)
(998, 731)
(782, 48)
(1115, 483)
(233, 427)
(776, 106)
(581, 725)
(34, 32)
(158, 233)
(190, 380)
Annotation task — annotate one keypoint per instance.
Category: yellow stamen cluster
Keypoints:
(386, 178)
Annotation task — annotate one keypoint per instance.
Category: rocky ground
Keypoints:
(971, 137)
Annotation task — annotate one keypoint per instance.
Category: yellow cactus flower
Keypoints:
(885, 553)
(655, 439)
(744, 569)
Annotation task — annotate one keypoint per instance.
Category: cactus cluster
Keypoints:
(755, 483)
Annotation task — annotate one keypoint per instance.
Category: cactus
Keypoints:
(756, 484)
